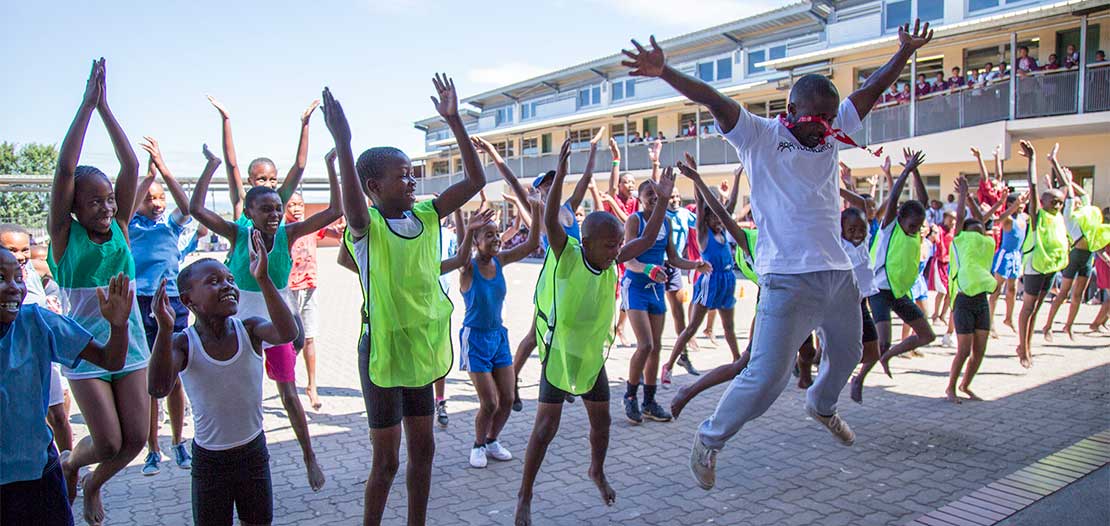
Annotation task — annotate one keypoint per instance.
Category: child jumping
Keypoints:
(263, 208)
(219, 361)
(406, 342)
(32, 488)
(575, 304)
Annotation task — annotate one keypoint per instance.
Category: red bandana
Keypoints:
(835, 133)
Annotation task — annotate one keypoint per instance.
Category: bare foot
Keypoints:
(994, 334)
(692, 345)
(1067, 330)
(316, 478)
(608, 496)
(970, 395)
(94, 508)
(681, 398)
(950, 395)
(1047, 334)
(69, 472)
(1096, 329)
(314, 398)
(1010, 324)
(857, 390)
(523, 512)
(1026, 362)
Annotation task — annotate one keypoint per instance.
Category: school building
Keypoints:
(755, 59)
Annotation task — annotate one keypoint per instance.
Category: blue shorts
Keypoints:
(483, 350)
(716, 290)
(638, 292)
(1007, 263)
(920, 291)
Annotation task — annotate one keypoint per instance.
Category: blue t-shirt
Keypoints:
(36, 338)
(154, 244)
(681, 220)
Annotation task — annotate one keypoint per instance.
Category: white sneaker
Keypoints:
(703, 464)
(946, 340)
(496, 451)
(478, 457)
(839, 428)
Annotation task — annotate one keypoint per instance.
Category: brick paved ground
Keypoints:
(913, 453)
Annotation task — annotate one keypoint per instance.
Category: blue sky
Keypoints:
(266, 61)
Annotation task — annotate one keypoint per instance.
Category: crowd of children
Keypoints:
(112, 304)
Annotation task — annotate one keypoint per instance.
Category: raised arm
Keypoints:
(872, 90)
(615, 172)
(998, 173)
(144, 186)
(530, 243)
(507, 174)
(281, 325)
(1018, 206)
(170, 355)
(636, 246)
(293, 178)
(521, 210)
(891, 212)
(1030, 153)
(587, 174)
(354, 204)
(208, 218)
(459, 193)
(180, 198)
(689, 170)
(701, 224)
(466, 233)
(653, 63)
(231, 163)
(127, 181)
(556, 236)
(320, 220)
(734, 192)
(653, 154)
(961, 203)
(919, 191)
(61, 192)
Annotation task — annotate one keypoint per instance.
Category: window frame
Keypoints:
(592, 91)
(914, 13)
(767, 50)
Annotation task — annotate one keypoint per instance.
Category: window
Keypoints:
(624, 89)
(528, 146)
(503, 115)
(545, 143)
(757, 108)
(899, 12)
(650, 126)
(763, 55)
(589, 96)
(714, 70)
(528, 110)
(505, 148)
(580, 139)
(441, 168)
(616, 131)
(979, 5)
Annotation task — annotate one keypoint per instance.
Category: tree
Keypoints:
(27, 208)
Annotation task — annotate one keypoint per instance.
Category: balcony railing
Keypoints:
(1098, 87)
(1046, 93)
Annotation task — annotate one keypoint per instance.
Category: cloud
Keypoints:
(690, 15)
(504, 74)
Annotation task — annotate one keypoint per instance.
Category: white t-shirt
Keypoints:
(795, 193)
(879, 268)
(861, 266)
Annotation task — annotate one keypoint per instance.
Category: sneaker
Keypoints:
(684, 361)
(946, 340)
(518, 406)
(838, 427)
(665, 376)
(441, 413)
(182, 457)
(496, 451)
(150, 465)
(654, 411)
(703, 464)
(632, 410)
(478, 457)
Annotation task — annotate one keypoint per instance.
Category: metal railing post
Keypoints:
(1081, 101)
(1013, 76)
(697, 134)
(913, 95)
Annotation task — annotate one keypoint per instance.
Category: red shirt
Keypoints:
(988, 194)
(303, 251)
(943, 245)
(628, 206)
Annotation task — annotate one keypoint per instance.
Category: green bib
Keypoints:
(574, 318)
(278, 265)
(1047, 246)
(970, 265)
(903, 253)
(408, 311)
(745, 263)
(1090, 222)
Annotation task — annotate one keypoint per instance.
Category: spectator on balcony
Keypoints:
(950, 206)
(648, 137)
(1003, 71)
(1071, 57)
(1025, 63)
(956, 80)
(891, 94)
(991, 75)
(939, 84)
(635, 137)
(1052, 63)
(691, 130)
(904, 95)
(934, 215)
(660, 137)
(923, 86)
(705, 131)
(1100, 56)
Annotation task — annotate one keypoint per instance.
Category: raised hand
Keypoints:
(208, 155)
(480, 219)
(102, 104)
(846, 174)
(665, 186)
(960, 185)
(614, 149)
(1027, 149)
(335, 119)
(259, 259)
(330, 158)
(92, 96)
(219, 107)
(653, 152)
(913, 41)
(483, 146)
(885, 167)
(1054, 152)
(162, 311)
(975, 153)
(308, 112)
(645, 63)
(447, 103)
(597, 138)
(116, 300)
(913, 159)
(564, 155)
(151, 147)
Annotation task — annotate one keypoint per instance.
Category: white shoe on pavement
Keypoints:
(478, 457)
(496, 451)
(703, 463)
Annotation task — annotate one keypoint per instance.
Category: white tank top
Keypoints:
(226, 395)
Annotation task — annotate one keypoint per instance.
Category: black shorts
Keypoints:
(971, 313)
(387, 406)
(883, 302)
(549, 394)
(870, 333)
(1037, 284)
(674, 278)
(39, 501)
(1079, 263)
(236, 478)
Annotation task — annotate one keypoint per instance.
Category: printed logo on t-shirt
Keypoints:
(789, 146)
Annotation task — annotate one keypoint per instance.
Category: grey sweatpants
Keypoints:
(790, 307)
